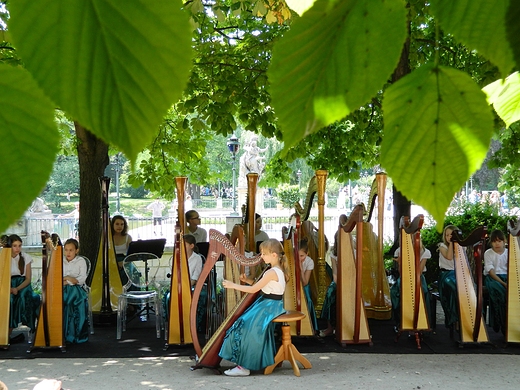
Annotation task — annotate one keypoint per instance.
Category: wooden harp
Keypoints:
(294, 296)
(5, 292)
(49, 330)
(351, 318)
(178, 330)
(320, 279)
(414, 316)
(106, 286)
(250, 220)
(218, 245)
(470, 298)
(376, 291)
(513, 285)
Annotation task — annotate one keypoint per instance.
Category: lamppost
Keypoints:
(118, 168)
(233, 147)
(299, 176)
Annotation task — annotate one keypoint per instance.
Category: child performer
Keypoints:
(447, 281)
(250, 341)
(495, 271)
(25, 304)
(306, 267)
(75, 300)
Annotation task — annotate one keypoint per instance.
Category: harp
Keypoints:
(471, 323)
(513, 285)
(232, 269)
(218, 245)
(250, 220)
(5, 292)
(178, 329)
(49, 331)
(320, 279)
(294, 296)
(351, 319)
(106, 284)
(376, 291)
(414, 315)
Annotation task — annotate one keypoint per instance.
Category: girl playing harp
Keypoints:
(250, 341)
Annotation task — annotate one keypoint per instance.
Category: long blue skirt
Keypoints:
(328, 310)
(448, 297)
(75, 314)
(310, 307)
(25, 306)
(250, 340)
(395, 296)
(498, 303)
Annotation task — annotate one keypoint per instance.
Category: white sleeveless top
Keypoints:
(274, 287)
(123, 248)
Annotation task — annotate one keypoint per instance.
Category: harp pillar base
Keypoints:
(287, 350)
(105, 319)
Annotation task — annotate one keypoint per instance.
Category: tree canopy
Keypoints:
(118, 69)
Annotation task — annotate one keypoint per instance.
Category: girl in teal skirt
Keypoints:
(249, 342)
(75, 299)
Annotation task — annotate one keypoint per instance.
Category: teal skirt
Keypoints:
(250, 340)
(448, 297)
(395, 296)
(498, 303)
(25, 306)
(310, 307)
(75, 314)
(328, 311)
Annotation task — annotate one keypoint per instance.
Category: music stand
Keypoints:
(203, 248)
(155, 246)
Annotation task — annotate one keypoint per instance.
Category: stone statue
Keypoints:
(251, 161)
(39, 206)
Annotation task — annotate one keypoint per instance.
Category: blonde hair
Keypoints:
(274, 246)
(450, 227)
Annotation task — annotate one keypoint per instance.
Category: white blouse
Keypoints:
(77, 268)
(15, 271)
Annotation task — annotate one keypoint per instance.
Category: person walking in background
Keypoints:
(157, 208)
(193, 221)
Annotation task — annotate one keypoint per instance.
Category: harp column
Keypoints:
(321, 178)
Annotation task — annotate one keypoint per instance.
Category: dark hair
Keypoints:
(189, 214)
(303, 245)
(497, 235)
(257, 216)
(125, 227)
(21, 260)
(72, 241)
(190, 239)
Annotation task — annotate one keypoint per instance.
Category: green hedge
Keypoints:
(467, 217)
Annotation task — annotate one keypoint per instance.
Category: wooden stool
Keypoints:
(287, 350)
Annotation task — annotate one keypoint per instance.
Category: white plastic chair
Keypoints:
(141, 270)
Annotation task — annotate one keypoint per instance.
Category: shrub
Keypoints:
(288, 195)
(467, 217)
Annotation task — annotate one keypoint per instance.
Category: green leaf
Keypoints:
(471, 22)
(332, 61)
(505, 98)
(116, 67)
(29, 142)
(513, 29)
(437, 130)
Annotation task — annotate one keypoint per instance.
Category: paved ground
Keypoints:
(352, 371)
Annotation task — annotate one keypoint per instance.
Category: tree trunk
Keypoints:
(402, 206)
(93, 159)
